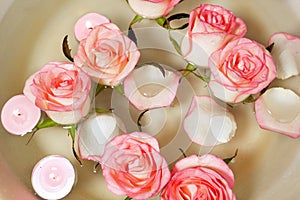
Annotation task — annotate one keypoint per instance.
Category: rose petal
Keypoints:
(95, 132)
(286, 54)
(69, 117)
(86, 23)
(152, 9)
(207, 123)
(147, 87)
(278, 110)
(208, 161)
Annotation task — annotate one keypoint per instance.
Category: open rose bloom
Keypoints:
(61, 90)
(152, 8)
(210, 28)
(132, 166)
(243, 67)
(107, 55)
(200, 177)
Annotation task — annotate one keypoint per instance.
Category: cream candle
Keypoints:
(19, 115)
(53, 177)
(86, 23)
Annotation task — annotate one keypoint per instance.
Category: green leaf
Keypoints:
(136, 19)
(47, 123)
(66, 49)
(228, 160)
(127, 198)
(44, 123)
(72, 131)
(131, 33)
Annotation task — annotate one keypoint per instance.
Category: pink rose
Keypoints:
(210, 28)
(200, 177)
(133, 166)
(152, 9)
(107, 55)
(242, 68)
(61, 90)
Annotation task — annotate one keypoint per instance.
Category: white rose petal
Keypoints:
(286, 54)
(278, 110)
(207, 123)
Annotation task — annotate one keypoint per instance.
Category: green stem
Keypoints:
(44, 123)
(190, 69)
(71, 131)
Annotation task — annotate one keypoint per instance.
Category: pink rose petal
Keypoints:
(19, 115)
(200, 177)
(286, 54)
(53, 177)
(278, 110)
(87, 23)
(207, 123)
(207, 161)
(152, 9)
(147, 88)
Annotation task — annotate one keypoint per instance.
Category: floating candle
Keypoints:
(86, 24)
(19, 115)
(53, 177)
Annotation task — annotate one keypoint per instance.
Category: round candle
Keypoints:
(19, 115)
(53, 177)
(86, 24)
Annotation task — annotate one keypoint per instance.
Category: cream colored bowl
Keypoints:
(31, 32)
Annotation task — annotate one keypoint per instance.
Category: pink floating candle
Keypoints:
(19, 115)
(87, 23)
(53, 177)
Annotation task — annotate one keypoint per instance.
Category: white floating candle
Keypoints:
(86, 24)
(19, 115)
(53, 177)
